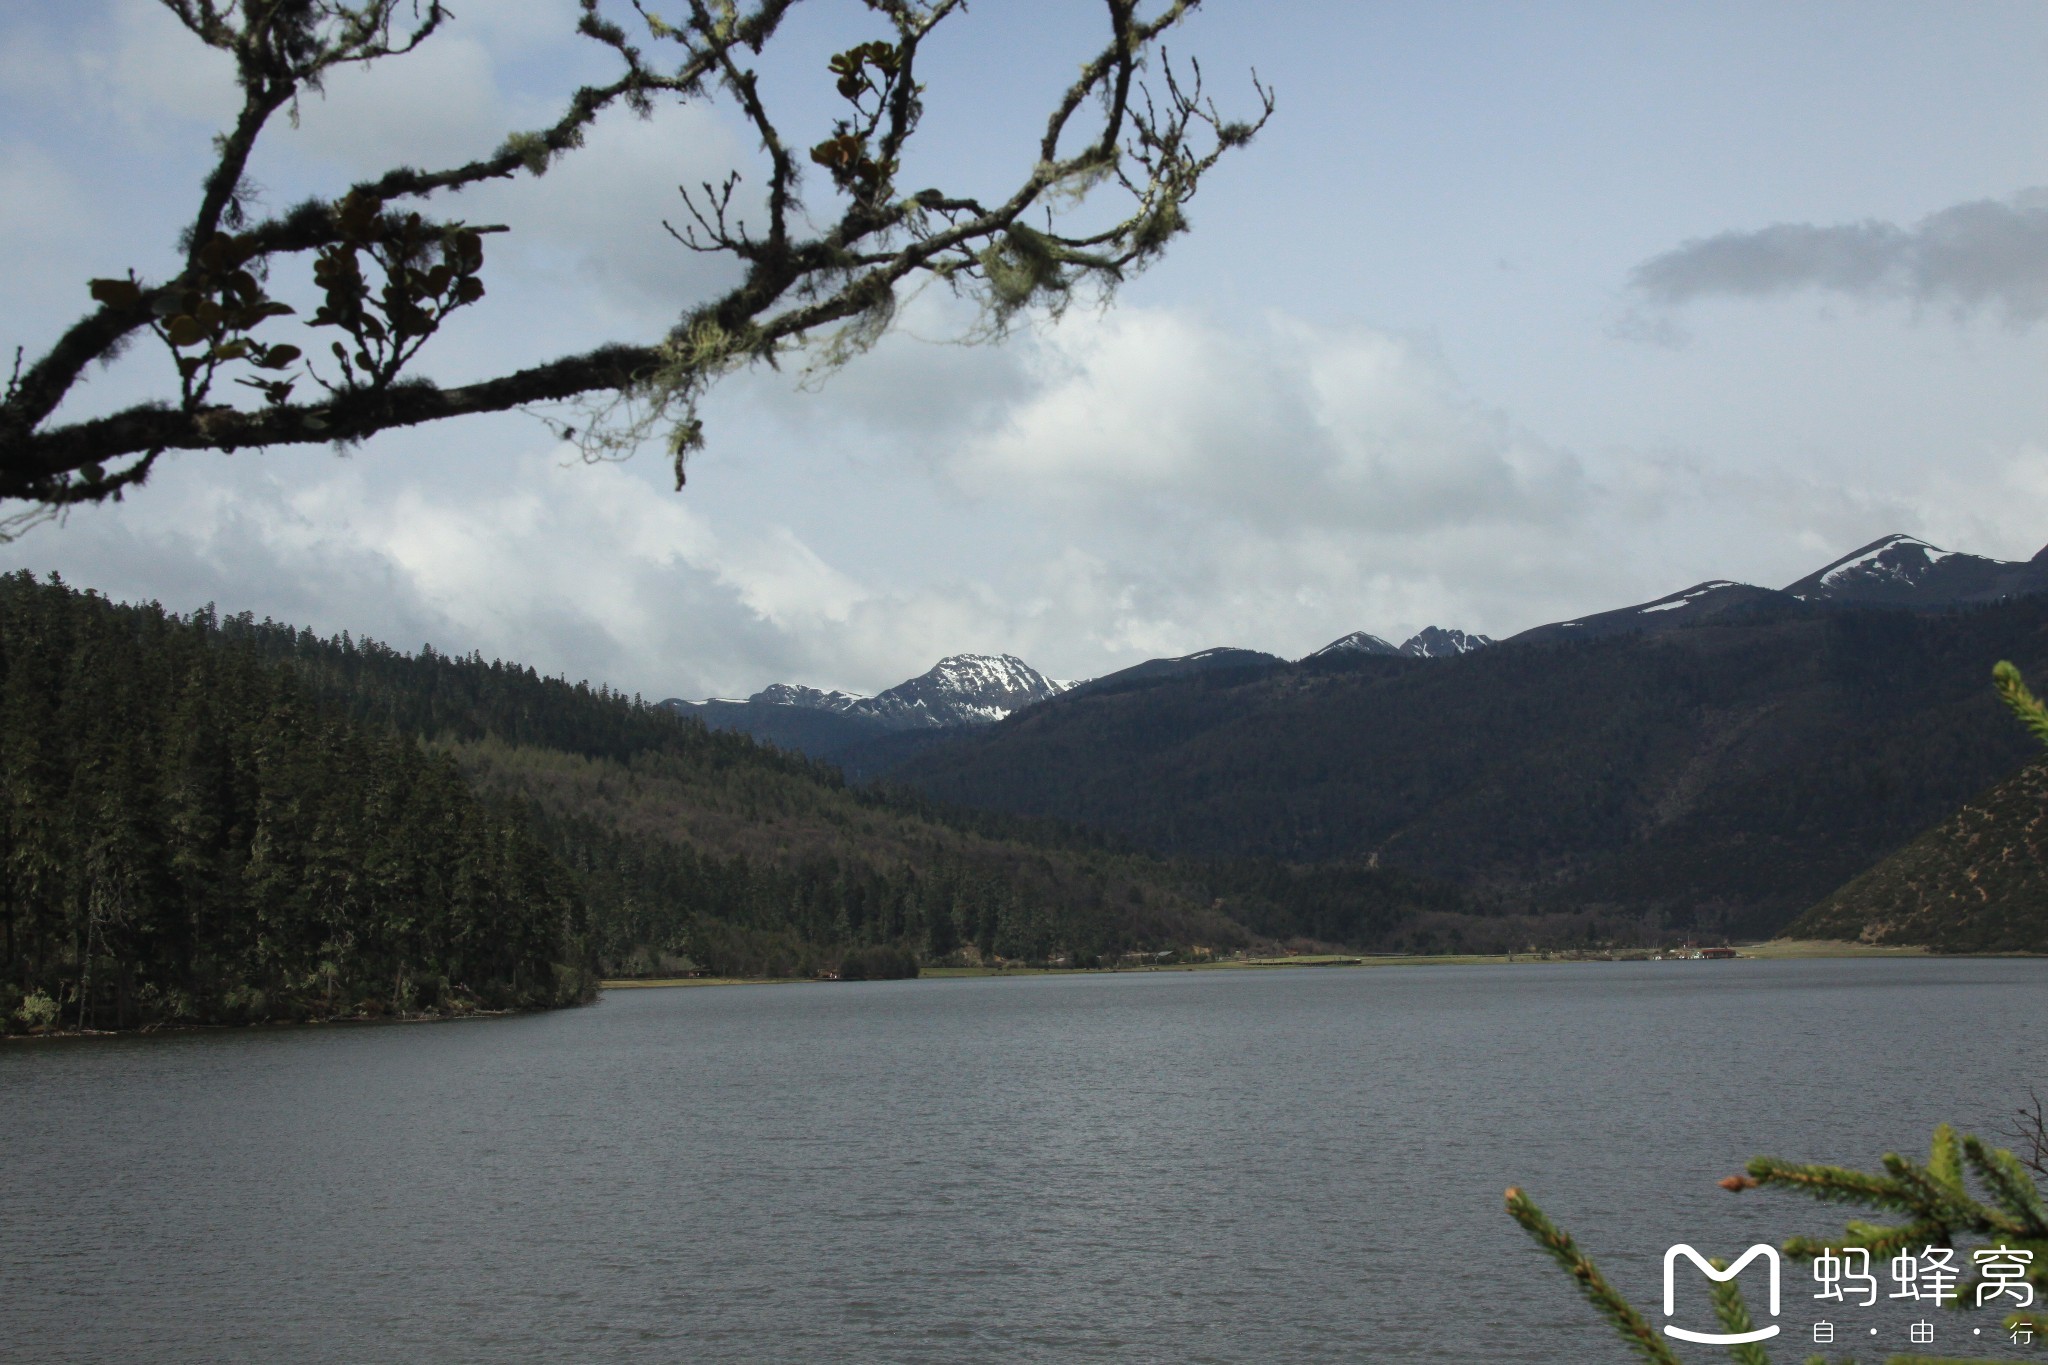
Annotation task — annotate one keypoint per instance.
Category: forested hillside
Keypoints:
(1718, 778)
(189, 834)
(1975, 883)
(219, 819)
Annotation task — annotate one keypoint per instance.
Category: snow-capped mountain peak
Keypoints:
(1357, 642)
(961, 689)
(793, 694)
(1895, 557)
(964, 689)
(1438, 642)
(1431, 642)
(1905, 570)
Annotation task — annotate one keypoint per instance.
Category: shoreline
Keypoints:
(332, 1021)
(1775, 950)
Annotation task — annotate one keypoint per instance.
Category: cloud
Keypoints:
(598, 212)
(1990, 254)
(586, 570)
(1283, 428)
(130, 59)
(438, 105)
(1151, 482)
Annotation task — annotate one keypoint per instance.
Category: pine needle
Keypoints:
(1634, 1330)
(2012, 690)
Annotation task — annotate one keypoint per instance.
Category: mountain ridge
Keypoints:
(1895, 571)
(1722, 771)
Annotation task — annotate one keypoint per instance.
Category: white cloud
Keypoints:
(585, 570)
(41, 208)
(599, 210)
(1283, 428)
(438, 105)
(128, 58)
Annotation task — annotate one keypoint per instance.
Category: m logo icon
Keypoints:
(1671, 1255)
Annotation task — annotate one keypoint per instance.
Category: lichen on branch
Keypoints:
(821, 281)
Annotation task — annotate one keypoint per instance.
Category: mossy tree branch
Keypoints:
(829, 291)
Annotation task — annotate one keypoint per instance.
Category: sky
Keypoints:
(1512, 313)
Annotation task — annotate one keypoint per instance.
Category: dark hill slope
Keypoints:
(703, 848)
(1975, 883)
(695, 844)
(1726, 775)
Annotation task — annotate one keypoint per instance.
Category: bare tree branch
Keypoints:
(830, 294)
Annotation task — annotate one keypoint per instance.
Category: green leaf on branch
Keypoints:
(116, 293)
(185, 330)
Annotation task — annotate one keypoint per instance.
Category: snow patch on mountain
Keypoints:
(1437, 642)
(961, 689)
(1893, 558)
(1431, 642)
(792, 694)
(1357, 642)
(1686, 598)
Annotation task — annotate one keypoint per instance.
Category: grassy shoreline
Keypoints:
(1780, 950)
(1774, 950)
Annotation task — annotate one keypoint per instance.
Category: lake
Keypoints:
(1285, 1165)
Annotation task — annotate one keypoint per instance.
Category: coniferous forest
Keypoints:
(191, 834)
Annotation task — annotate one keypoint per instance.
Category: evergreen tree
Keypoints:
(188, 835)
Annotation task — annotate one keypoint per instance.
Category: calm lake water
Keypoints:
(1294, 1165)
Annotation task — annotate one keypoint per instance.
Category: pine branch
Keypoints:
(2006, 1178)
(2012, 690)
(1833, 1184)
(1733, 1315)
(1620, 1315)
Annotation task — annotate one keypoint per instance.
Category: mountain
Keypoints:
(1357, 642)
(815, 731)
(233, 821)
(1715, 600)
(1723, 756)
(961, 689)
(1435, 642)
(1975, 883)
(791, 694)
(1222, 661)
(1893, 571)
(1901, 571)
(1431, 642)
